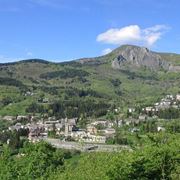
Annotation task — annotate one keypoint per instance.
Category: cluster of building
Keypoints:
(95, 132)
(92, 134)
(39, 128)
(169, 101)
(165, 103)
(66, 128)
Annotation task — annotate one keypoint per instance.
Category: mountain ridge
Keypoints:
(128, 52)
(87, 79)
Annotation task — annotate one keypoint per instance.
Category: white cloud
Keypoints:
(106, 51)
(132, 34)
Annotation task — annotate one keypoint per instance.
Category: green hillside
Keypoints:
(91, 82)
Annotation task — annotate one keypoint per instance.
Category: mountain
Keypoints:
(128, 76)
(135, 56)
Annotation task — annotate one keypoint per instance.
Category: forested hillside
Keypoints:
(117, 88)
(94, 82)
(157, 158)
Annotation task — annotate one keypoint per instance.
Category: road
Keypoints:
(85, 146)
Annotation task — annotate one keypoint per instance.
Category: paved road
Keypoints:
(85, 146)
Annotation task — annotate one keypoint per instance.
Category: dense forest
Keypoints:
(66, 73)
(156, 158)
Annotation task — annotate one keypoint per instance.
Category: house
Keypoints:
(119, 123)
(169, 96)
(78, 134)
(70, 125)
(148, 109)
(28, 93)
(164, 104)
(48, 127)
(72, 121)
(156, 104)
(134, 121)
(131, 110)
(93, 139)
(91, 129)
(103, 123)
(45, 100)
(134, 130)
(35, 133)
(9, 118)
(160, 128)
(16, 127)
(109, 124)
(82, 136)
(58, 126)
(109, 132)
(34, 118)
(127, 122)
(142, 117)
(51, 122)
(51, 118)
(44, 135)
(178, 97)
(21, 118)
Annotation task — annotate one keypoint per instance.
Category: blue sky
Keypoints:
(59, 30)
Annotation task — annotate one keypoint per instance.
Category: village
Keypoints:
(96, 131)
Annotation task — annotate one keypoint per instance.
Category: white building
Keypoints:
(109, 132)
(82, 136)
(178, 97)
(160, 128)
(131, 110)
(9, 118)
(20, 118)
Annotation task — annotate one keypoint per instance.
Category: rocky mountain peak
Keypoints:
(138, 57)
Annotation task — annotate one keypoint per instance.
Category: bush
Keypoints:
(64, 74)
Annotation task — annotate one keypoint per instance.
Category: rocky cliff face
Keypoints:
(138, 57)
